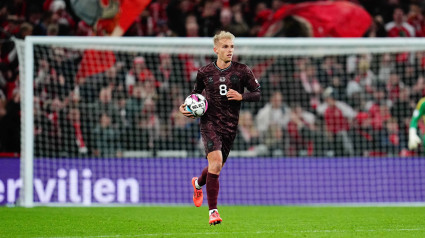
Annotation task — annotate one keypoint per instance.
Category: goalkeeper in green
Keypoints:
(419, 112)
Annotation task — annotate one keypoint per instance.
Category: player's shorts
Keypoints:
(215, 141)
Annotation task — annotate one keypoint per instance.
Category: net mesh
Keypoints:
(97, 104)
(114, 103)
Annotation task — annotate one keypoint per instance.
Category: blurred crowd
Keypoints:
(331, 106)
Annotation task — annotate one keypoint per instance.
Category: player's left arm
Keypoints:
(251, 83)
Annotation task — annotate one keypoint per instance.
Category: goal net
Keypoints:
(100, 121)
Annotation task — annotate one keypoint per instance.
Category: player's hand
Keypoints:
(414, 139)
(234, 95)
(185, 112)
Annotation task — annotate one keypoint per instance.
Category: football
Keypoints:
(196, 104)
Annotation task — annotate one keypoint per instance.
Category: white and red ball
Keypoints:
(196, 104)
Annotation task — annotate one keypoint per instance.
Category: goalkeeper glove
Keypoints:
(414, 139)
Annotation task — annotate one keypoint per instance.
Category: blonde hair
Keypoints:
(223, 35)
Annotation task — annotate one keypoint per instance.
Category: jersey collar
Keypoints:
(222, 70)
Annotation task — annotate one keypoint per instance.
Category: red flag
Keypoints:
(327, 19)
(94, 62)
(128, 12)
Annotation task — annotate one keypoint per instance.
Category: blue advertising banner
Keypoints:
(256, 181)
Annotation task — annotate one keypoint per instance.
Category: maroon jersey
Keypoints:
(222, 115)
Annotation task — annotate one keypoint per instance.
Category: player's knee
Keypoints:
(215, 162)
(215, 167)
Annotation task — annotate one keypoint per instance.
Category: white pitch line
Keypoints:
(359, 230)
(158, 234)
(257, 232)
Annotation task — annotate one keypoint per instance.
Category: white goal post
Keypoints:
(249, 50)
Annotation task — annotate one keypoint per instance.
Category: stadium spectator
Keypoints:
(273, 113)
(190, 66)
(294, 91)
(122, 121)
(301, 132)
(147, 126)
(310, 85)
(339, 88)
(233, 23)
(42, 138)
(274, 140)
(248, 136)
(392, 141)
(272, 80)
(138, 73)
(401, 109)
(144, 25)
(328, 69)
(170, 81)
(337, 117)
(362, 134)
(165, 71)
(377, 28)
(416, 19)
(10, 123)
(378, 107)
(209, 19)
(104, 105)
(177, 11)
(362, 82)
(394, 86)
(411, 71)
(74, 137)
(191, 26)
(25, 30)
(399, 26)
(158, 11)
(386, 66)
(134, 104)
(181, 128)
(54, 116)
(106, 144)
(240, 25)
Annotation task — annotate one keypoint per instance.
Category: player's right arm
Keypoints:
(198, 88)
(419, 111)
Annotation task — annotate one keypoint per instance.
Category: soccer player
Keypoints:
(419, 112)
(224, 82)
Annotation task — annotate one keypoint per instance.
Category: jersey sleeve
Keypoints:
(199, 84)
(251, 83)
(418, 113)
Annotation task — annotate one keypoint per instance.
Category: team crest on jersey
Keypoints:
(235, 81)
(210, 80)
(222, 79)
(234, 78)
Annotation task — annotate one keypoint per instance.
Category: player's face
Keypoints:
(224, 50)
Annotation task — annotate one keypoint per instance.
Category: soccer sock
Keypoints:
(197, 185)
(213, 210)
(202, 180)
(212, 190)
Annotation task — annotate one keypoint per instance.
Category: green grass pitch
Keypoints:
(238, 221)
